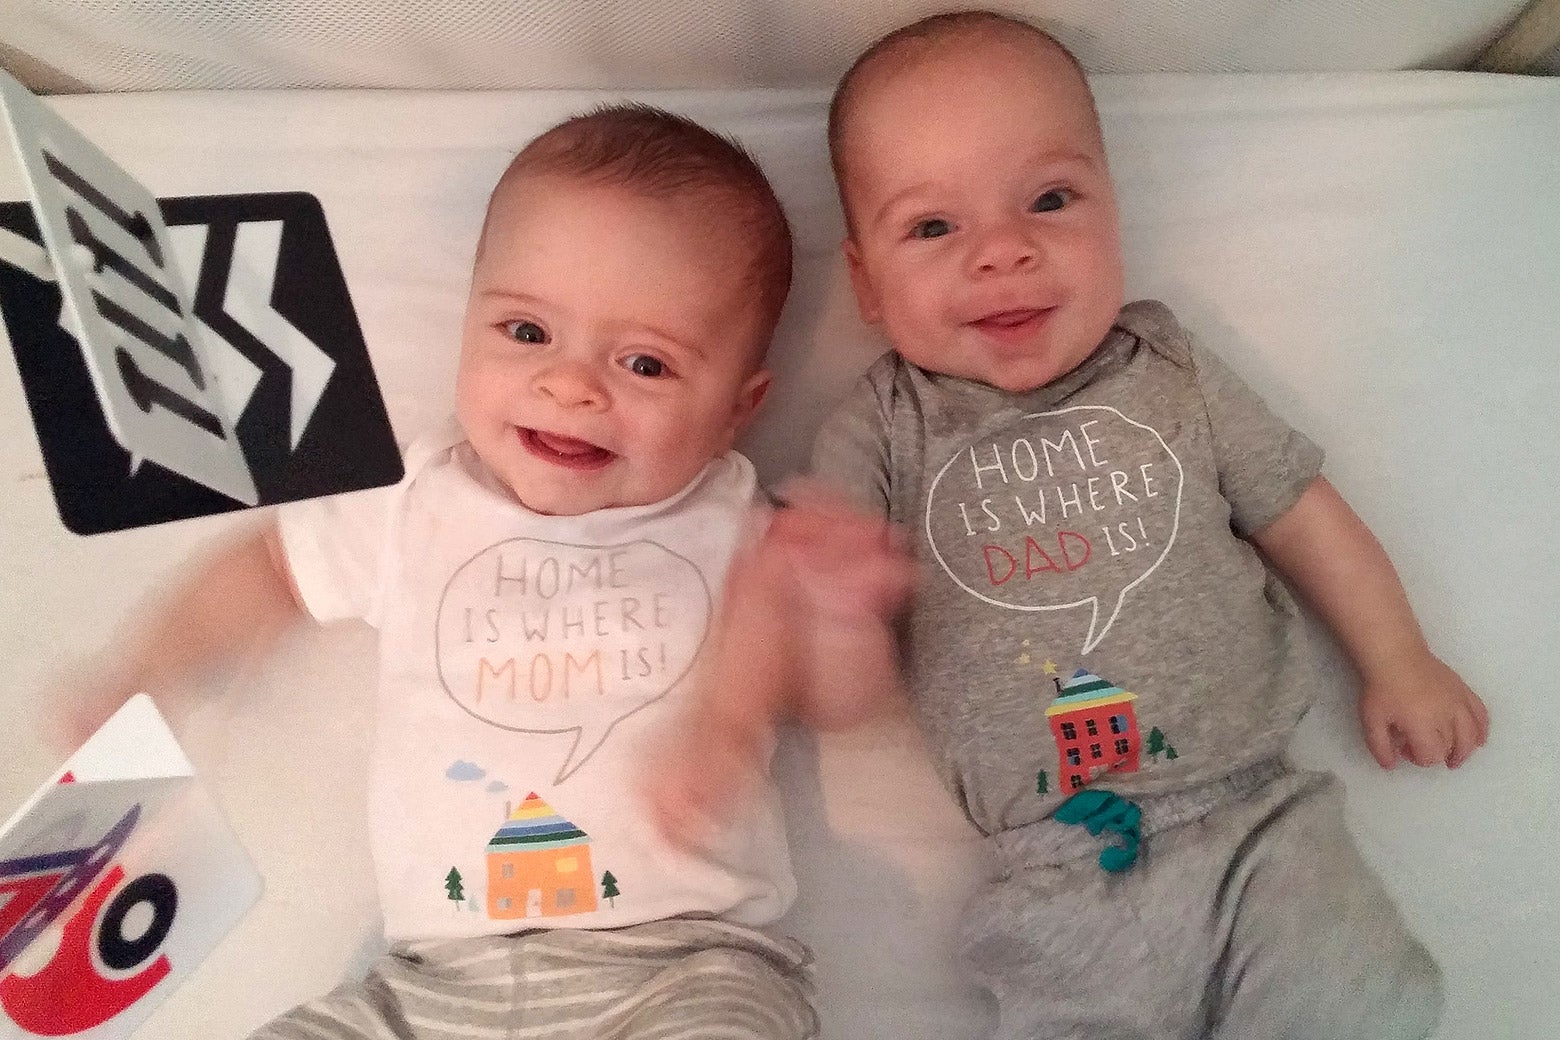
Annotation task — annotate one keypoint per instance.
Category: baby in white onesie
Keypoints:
(545, 582)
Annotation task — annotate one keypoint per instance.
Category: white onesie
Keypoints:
(527, 665)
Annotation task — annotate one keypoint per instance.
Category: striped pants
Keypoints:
(681, 978)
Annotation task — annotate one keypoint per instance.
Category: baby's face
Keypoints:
(985, 240)
(606, 352)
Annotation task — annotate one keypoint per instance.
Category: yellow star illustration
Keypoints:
(1049, 667)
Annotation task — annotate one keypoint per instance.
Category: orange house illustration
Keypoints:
(538, 865)
(1095, 728)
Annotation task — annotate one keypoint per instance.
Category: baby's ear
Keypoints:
(749, 396)
(861, 283)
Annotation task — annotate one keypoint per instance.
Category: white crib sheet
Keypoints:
(1378, 253)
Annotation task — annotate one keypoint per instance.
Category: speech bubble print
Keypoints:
(549, 637)
(1058, 510)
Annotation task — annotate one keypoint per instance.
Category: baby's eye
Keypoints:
(525, 332)
(1051, 201)
(936, 227)
(646, 365)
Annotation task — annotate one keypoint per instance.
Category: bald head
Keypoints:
(666, 157)
(958, 36)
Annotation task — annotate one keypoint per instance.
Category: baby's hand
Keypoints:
(805, 631)
(846, 566)
(79, 700)
(1424, 713)
(849, 575)
(697, 777)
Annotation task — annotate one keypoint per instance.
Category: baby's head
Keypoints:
(630, 273)
(981, 220)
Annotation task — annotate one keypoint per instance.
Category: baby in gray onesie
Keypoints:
(1100, 648)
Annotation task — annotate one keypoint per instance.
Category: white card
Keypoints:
(126, 302)
(117, 878)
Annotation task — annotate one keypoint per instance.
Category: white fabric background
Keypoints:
(107, 45)
(1377, 253)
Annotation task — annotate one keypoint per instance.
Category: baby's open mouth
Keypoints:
(1021, 318)
(568, 452)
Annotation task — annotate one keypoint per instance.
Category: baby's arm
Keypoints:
(1411, 704)
(237, 601)
(807, 632)
(849, 576)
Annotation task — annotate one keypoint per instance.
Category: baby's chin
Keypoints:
(541, 503)
(1015, 385)
(1048, 363)
(579, 501)
(1010, 375)
(544, 498)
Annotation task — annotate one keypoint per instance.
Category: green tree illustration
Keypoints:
(1042, 783)
(452, 882)
(1156, 743)
(609, 889)
(1170, 755)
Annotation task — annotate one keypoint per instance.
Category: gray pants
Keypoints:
(1249, 916)
(681, 978)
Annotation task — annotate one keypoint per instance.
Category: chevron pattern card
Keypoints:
(117, 878)
(180, 357)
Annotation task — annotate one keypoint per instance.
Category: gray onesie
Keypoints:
(1091, 617)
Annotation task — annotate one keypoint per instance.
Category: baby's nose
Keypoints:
(1006, 249)
(571, 384)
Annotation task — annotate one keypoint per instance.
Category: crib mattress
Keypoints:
(1377, 253)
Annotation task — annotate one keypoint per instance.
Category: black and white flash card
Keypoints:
(179, 357)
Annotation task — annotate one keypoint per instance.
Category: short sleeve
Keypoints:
(1264, 464)
(336, 548)
(851, 450)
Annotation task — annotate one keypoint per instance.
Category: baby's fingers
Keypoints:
(1481, 715)
(810, 496)
(832, 541)
(885, 568)
(1468, 737)
(1379, 738)
(1427, 742)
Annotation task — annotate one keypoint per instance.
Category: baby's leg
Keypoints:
(665, 979)
(1316, 950)
(679, 978)
(1068, 955)
(422, 990)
